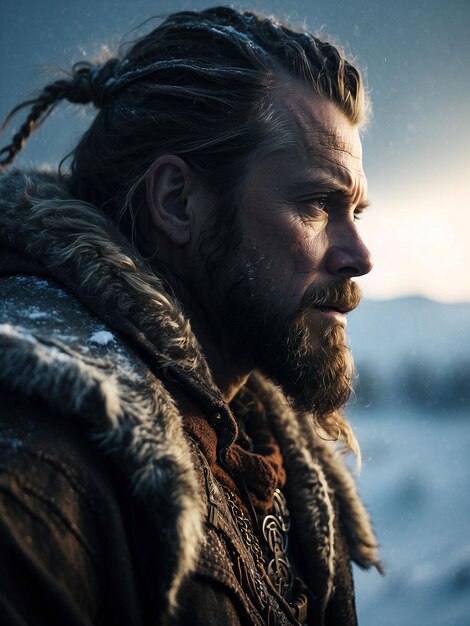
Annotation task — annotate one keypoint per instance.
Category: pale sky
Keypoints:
(418, 229)
(416, 151)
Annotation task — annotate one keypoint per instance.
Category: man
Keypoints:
(173, 360)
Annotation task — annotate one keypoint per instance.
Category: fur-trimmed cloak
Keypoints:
(104, 498)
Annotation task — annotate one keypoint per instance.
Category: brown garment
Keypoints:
(261, 469)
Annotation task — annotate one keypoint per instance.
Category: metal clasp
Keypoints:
(213, 512)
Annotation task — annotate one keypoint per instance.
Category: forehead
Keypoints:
(323, 136)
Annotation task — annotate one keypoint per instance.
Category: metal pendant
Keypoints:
(275, 529)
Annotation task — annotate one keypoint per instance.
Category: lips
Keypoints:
(338, 299)
(333, 314)
(334, 308)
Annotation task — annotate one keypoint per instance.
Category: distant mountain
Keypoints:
(384, 331)
(412, 349)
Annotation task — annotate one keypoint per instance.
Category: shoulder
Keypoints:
(55, 353)
(36, 310)
(55, 350)
(55, 502)
(52, 469)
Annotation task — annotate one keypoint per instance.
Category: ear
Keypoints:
(170, 182)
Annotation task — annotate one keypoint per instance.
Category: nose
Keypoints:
(348, 255)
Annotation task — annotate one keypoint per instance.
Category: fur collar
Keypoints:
(50, 340)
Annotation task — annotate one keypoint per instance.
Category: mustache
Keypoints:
(344, 296)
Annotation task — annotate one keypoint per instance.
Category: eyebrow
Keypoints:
(324, 182)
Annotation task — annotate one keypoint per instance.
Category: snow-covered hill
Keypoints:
(412, 419)
(414, 481)
(382, 331)
(412, 349)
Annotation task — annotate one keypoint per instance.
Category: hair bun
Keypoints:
(92, 83)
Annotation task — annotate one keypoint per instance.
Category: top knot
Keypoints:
(93, 83)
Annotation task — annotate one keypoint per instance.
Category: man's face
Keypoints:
(285, 289)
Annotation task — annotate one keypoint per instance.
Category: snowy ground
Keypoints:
(415, 482)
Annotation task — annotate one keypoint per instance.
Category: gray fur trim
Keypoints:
(307, 488)
(318, 469)
(140, 427)
(39, 217)
(361, 539)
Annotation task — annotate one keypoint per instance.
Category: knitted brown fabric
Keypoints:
(262, 469)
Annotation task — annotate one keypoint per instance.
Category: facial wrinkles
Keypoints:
(328, 149)
(267, 223)
(331, 177)
(332, 157)
(310, 250)
(326, 139)
(288, 246)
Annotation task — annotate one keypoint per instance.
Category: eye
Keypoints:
(316, 207)
(314, 212)
(321, 202)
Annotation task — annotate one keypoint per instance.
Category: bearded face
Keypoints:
(280, 277)
(305, 352)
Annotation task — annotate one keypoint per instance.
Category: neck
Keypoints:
(229, 369)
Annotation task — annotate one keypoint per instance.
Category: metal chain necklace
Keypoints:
(251, 541)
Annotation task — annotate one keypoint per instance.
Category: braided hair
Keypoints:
(86, 84)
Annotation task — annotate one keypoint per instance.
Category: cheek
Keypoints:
(286, 252)
(297, 261)
(308, 251)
